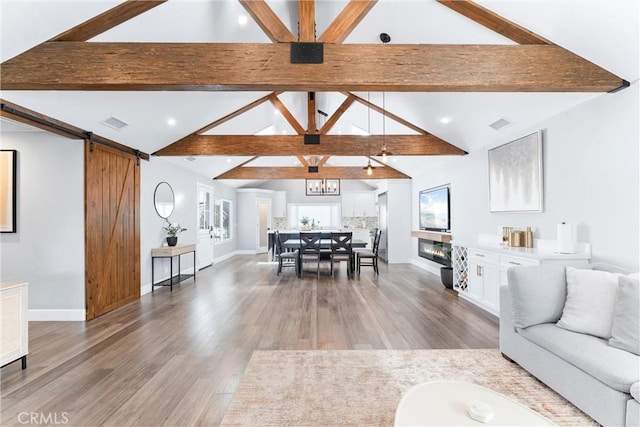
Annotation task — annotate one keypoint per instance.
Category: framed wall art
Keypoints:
(515, 175)
(8, 177)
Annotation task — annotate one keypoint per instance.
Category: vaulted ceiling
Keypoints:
(222, 71)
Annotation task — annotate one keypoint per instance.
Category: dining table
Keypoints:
(291, 240)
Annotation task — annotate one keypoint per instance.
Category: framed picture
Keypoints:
(8, 177)
(515, 175)
(322, 187)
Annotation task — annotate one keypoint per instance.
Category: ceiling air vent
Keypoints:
(499, 124)
(190, 159)
(114, 123)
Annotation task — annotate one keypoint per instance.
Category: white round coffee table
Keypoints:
(444, 403)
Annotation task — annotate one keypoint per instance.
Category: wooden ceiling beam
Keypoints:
(307, 20)
(323, 161)
(293, 145)
(351, 67)
(288, 116)
(236, 113)
(107, 20)
(330, 123)
(495, 22)
(311, 113)
(296, 172)
(266, 18)
(303, 161)
(346, 21)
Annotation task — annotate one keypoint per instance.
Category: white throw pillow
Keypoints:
(591, 301)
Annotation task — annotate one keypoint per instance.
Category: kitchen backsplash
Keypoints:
(368, 222)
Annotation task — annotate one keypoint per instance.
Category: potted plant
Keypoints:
(446, 272)
(172, 232)
(305, 220)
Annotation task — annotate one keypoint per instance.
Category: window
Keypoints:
(221, 219)
(204, 209)
(322, 216)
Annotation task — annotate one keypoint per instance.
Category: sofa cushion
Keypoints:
(625, 332)
(591, 300)
(537, 294)
(616, 368)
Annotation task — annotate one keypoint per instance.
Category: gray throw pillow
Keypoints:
(625, 332)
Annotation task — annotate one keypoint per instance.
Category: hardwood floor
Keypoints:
(177, 358)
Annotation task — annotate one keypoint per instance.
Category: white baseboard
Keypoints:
(225, 257)
(435, 269)
(246, 252)
(57, 315)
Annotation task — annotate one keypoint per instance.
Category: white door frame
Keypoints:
(204, 254)
(259, 248)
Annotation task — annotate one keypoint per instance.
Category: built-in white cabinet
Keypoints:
(279, 204)
(359, 203)
(14, 326)
(480, 271)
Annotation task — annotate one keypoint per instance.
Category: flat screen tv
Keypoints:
(435, 214)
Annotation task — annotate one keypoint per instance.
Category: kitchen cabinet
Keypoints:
(279, 204)
(359, 203)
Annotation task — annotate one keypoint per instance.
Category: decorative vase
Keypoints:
(172, 240)
(446, 275)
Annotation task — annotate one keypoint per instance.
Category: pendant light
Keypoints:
(384, 153)
(369, 168)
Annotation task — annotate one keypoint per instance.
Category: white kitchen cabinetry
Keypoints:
(14, 326)
(359, 203)
(479, 278)
(280, 204)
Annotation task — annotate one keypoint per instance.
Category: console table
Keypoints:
(172, 252)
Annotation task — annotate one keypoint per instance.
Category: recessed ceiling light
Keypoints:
(242, 20)
(171, 121)
(284, 132)
(114, 123)
(499, 124)
(395, 160)
(228, 160)
(445, 120)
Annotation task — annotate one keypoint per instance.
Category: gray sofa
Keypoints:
(601, 380)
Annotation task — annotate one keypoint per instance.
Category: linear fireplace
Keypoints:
(434, 251)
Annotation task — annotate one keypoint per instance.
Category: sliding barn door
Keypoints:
(112, 221)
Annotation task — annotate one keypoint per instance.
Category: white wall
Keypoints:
(184, 184)
(591, 179)
(48, 249)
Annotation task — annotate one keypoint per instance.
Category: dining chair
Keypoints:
(286, 258)
(341, 250)
(370, 258)
(309, 250)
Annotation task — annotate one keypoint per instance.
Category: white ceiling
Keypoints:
(606, 32)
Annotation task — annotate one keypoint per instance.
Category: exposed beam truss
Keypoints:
(292, 145)
(331, 172)
(265, 17)
(257, 67)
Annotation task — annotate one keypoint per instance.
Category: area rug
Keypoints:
(363, 387)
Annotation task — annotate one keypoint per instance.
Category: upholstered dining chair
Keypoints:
(309, 250)
(341, 250)
(369, 258)
(286, 259)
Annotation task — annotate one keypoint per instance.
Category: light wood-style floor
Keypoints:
(177, 358)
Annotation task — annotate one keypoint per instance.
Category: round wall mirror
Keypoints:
(163, 200)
